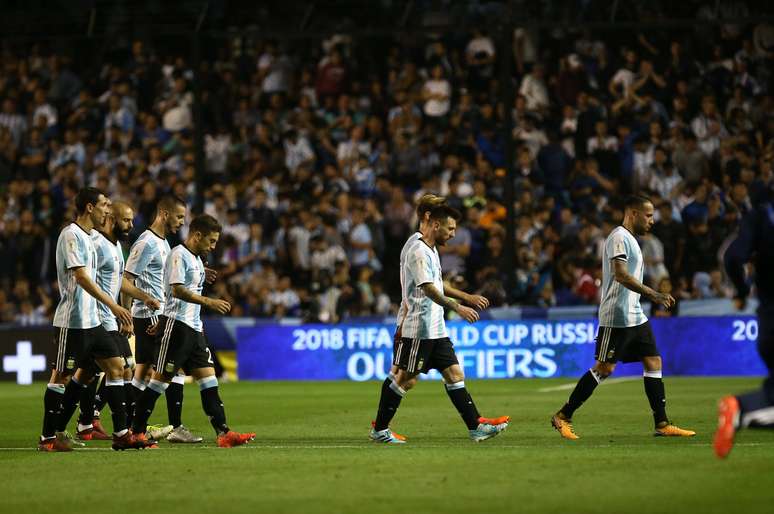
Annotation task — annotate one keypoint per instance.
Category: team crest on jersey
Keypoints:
(170, 367)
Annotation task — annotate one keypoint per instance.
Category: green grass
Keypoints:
(311, 455)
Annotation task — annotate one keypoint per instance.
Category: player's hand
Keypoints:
(219, 306)
(477, 301)
(740, 303)
(152, 304)
(125, 329)
(123, 316)
(664, 299)
(210, 275)
(468, 314)
(152, 330)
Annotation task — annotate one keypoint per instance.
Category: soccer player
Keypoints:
(183, 344)
(425, 205)
(424, 342)
(145, 269)
(754, 243)
(110, 268)
(624, 331)
(82, 341)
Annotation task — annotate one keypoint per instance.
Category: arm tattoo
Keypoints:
(436, 296)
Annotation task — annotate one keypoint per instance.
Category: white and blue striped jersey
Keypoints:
(411, 241)
(424, 318)
(620, 306)
(146, 261)
(77, 308)
(187, 269)
(110, 269)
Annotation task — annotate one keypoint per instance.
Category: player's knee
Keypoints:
(410, 383)
(604, 369)
(652, 363)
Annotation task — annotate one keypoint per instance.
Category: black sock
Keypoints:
(87, 402)
(99, 397)
(52, 404)
(654, 388)
(70, 399)
(144, 407)
(116, 398)
(174, 397)
(583, 390)
(389, 402)
(134, 394)
(129, 394)
(464, 404)
(213, 407)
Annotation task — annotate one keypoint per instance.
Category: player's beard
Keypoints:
(121, 235)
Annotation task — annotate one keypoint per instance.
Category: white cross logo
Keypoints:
(24, 363)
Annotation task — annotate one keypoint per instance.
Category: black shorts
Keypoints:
(625, 344)
(122, 343)
(79, 347)
(182, 347)
(146, 346)
(422, 355)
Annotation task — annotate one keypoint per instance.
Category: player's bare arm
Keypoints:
(474, 300)
(219, 306)
(623, 277)
(435, 295)
(83, 279)
(128, 289)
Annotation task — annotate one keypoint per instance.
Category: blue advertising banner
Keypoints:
(493, 349)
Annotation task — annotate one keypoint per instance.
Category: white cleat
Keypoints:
(384, 436)
(486, 431)
(183, 435)
(158, 432)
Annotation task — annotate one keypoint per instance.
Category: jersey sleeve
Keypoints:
(617, 247)
(139, 257)
(177, 268)
(420, 266)
(75, 251)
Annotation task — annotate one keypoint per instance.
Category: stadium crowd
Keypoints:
(314, 155)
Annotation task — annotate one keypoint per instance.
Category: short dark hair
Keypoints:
(168, 202)
(205, 224)
(636, 201)
(86, 196)
(443, 211)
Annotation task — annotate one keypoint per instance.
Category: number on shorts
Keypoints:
(209, 356)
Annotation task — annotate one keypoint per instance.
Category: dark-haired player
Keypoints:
(82, 341)
(182, 343)
(424, 343)
(624, 331)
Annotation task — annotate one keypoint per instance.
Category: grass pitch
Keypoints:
(312, 455)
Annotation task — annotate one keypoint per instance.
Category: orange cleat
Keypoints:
(564, 426)
(99, 432)
(495, 421)
(86, 434)
(670, 430)
(231, 439)
(728, 421)
(55, 444)
(395, 435)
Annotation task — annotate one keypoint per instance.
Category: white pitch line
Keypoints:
(367, 446)
(565, 387)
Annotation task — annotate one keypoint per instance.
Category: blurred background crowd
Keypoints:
(315, 152)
